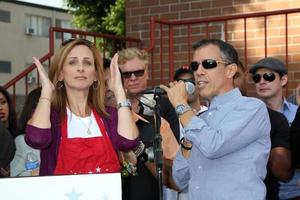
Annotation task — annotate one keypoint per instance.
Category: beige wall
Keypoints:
(16, 46)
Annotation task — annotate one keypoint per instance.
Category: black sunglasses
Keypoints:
(186, 80)
(206, 64)
(267, 77)
(80, 41)
(137, 73)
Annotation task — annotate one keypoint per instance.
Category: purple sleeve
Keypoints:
(37, 138)
(118, 141)
(40, 138)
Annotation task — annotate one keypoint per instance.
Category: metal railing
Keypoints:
(108, 44)
(171, 41)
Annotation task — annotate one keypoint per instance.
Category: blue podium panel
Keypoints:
(64, 187)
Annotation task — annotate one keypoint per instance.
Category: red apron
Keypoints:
(86, 155)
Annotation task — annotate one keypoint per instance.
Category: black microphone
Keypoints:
(190, 89)
(155, 90)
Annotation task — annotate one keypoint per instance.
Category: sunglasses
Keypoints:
(206, 64)
(79, 41)
(137, 73)
(267, 77)
(186, 80)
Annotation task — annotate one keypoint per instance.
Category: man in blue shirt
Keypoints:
(270, 77)
(225, 150)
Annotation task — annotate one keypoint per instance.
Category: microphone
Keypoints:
(190, 89)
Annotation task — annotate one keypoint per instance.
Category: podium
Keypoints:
(63, 187)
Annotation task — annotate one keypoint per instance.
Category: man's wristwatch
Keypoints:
(125, 103)
(182, 108)
(183, 142)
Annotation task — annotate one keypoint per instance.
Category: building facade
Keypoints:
(24, 33)
(260, 33)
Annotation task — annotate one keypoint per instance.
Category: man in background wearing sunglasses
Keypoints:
(225, 149)
(135, 77)
(270, 77)
(133, 64)
(279, 163)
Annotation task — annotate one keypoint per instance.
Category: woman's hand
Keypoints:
(115, 83)
(47, 85)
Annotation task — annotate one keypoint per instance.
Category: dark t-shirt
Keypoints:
(295, 140)
(168, 113)
(144, 186)
(280, 137)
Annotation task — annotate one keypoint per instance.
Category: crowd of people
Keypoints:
(91, 116)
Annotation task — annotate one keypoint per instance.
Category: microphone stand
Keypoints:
(158, 152)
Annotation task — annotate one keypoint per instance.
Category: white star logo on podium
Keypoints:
(73, 195)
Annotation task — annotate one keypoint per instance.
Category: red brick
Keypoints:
(139, 11)
(223, 3)
(295, 58)
(201, 5)
(295, 4)
(297, 75)
(294, 48)
(237, 2)
(295, 39)
(148, 3)
(170, 16)
(145, 34)
(294, 30)
(132, 4)
(279, 50)
(294, 19)
(161, 2)
(294, 66)
(180, 7)
(132, 20)
(145, 18)
(230, 10)
(278, 22)
(211, 12)
(293, 84)
(159, 9)
(139, 27)
(280, 5)
(258, 7)
(215, 27)
(276, 41)
(190, 14)
(194, 29)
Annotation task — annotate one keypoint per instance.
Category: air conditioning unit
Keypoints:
(29, 31)
(31, 79)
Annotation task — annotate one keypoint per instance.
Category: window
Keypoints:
(4, 16)
(37, 25)
(5, 67)
(33, 75)
(63, 24)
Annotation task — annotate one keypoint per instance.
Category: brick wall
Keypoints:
(139, 12)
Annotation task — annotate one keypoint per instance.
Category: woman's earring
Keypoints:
(95, 84)
(59, 84)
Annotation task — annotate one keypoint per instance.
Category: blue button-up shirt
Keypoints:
(231, 145)
(289, 110)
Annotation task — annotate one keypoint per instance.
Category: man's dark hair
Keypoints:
(228, 52)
